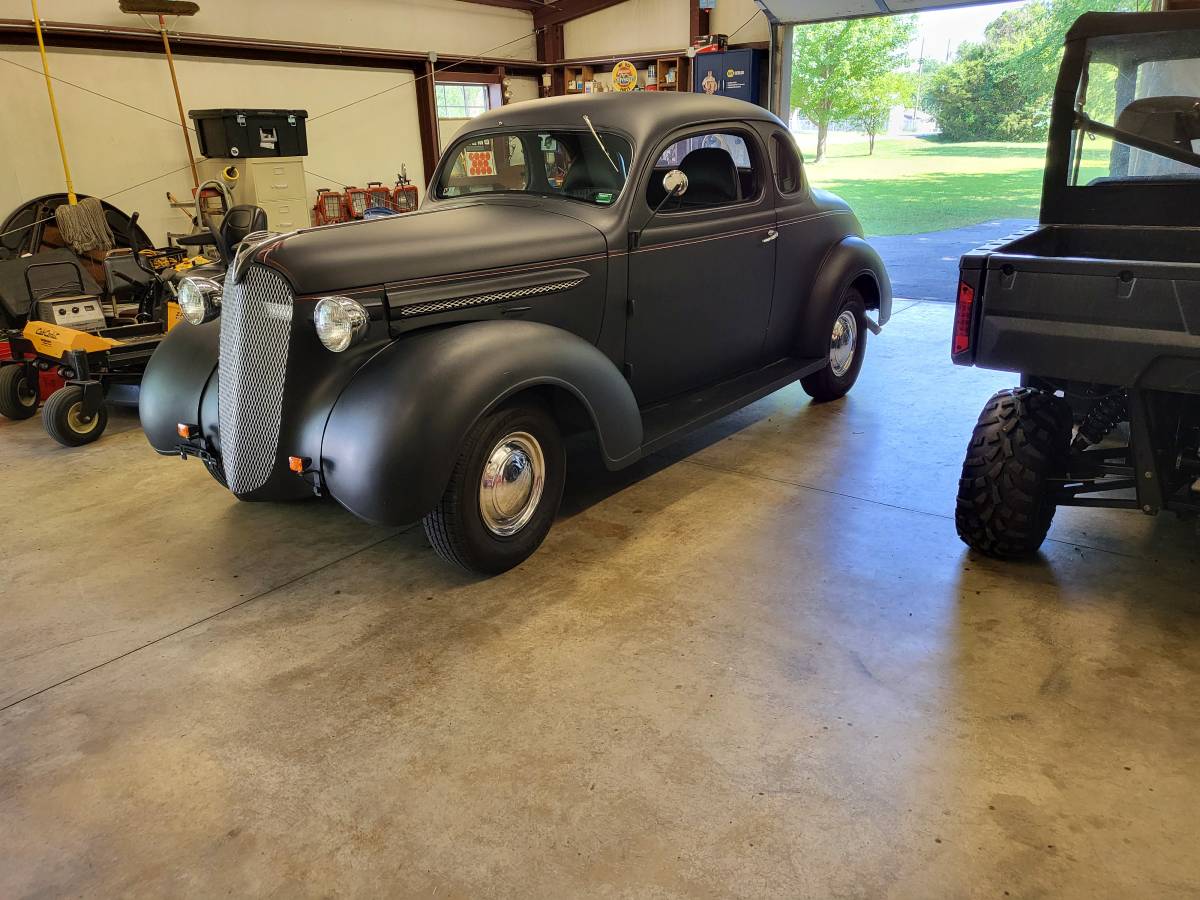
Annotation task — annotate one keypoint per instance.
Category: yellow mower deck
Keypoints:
(56, 341)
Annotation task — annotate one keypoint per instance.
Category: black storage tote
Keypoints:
(250, 132)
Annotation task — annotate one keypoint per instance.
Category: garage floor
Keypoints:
(759, 664)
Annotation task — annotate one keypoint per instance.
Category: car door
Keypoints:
(701, 271)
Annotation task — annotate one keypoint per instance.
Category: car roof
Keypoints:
(1098, 24)
(643, 115)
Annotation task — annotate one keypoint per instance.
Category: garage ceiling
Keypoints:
(793, 11)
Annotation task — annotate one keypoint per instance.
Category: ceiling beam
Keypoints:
(556, 12)
(146, 40)
(526, 5)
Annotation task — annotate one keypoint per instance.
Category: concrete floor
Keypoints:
(760, 664)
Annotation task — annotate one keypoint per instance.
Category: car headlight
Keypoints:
(199, 299)
(341, 322)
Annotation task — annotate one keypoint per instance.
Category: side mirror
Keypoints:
(675, 183)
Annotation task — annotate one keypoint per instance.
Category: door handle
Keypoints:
(771, 235)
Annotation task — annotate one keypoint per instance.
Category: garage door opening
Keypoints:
(933, 125)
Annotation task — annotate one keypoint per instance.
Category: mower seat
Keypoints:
(238, 222)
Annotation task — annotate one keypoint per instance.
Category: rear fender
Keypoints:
(848, 261)
(393, 435)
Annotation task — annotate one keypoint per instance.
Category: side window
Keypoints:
(721, 168)
(492, 163)
(787, 163)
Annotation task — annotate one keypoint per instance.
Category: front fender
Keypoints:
(393, 435)
(174, 382)
(847, 261)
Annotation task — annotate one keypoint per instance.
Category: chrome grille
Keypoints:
(256, 322)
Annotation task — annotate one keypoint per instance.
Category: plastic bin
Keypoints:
(250, 132)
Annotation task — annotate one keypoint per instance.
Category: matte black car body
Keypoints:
(635, 328)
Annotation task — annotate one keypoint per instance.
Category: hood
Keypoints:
(446, 239)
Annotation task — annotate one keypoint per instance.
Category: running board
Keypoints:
(666, 422)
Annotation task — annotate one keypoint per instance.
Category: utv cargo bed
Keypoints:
(1115, 305)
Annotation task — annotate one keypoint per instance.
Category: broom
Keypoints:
(162, 8)
(80, 222)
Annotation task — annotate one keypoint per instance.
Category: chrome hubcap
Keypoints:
(843, 343)
(80, 423)
(512, 482)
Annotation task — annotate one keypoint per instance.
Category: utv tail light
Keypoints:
(962, 317)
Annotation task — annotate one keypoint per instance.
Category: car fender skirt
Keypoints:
(847, 261)
(174, 382)
(393, 435)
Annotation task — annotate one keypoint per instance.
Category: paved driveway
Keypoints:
(925, 266)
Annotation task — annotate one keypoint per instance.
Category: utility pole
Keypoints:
(920, 78)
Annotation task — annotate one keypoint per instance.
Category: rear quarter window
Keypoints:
(788, 172)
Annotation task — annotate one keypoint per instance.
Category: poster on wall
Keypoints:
(624, 76)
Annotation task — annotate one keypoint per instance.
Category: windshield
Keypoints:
(1139, 109)
(564, 163)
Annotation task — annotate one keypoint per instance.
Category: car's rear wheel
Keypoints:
(1005, 496)
(67, 422)
(504, 492)
(847, 347)
(18, 396)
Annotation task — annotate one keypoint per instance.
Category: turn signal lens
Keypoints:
(298, 464)
(962, 317)
(186, 431)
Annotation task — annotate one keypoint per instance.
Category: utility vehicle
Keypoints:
(1097, 307)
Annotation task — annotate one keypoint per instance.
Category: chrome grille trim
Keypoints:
(256, 324)
(435, 306)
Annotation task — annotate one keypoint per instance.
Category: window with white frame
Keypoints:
(461, 101)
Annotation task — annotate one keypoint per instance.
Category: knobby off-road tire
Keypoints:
(849, 323)
(62, 415)
(459, 528)
(18, 397)
(1005, 502)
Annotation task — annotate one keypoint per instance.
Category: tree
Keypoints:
(1000, 89)
(834, 63)
(877, 96)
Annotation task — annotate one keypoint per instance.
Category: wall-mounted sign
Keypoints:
(624, 76)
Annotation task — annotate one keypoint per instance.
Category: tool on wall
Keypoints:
(163, 8)
(80, 222)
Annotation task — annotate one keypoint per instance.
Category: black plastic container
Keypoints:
(251, 132)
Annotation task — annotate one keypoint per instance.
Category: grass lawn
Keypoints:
(914, 184)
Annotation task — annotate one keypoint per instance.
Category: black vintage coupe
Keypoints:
(633, 265)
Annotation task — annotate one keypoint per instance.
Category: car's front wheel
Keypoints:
(847, 346)
(504, 492)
